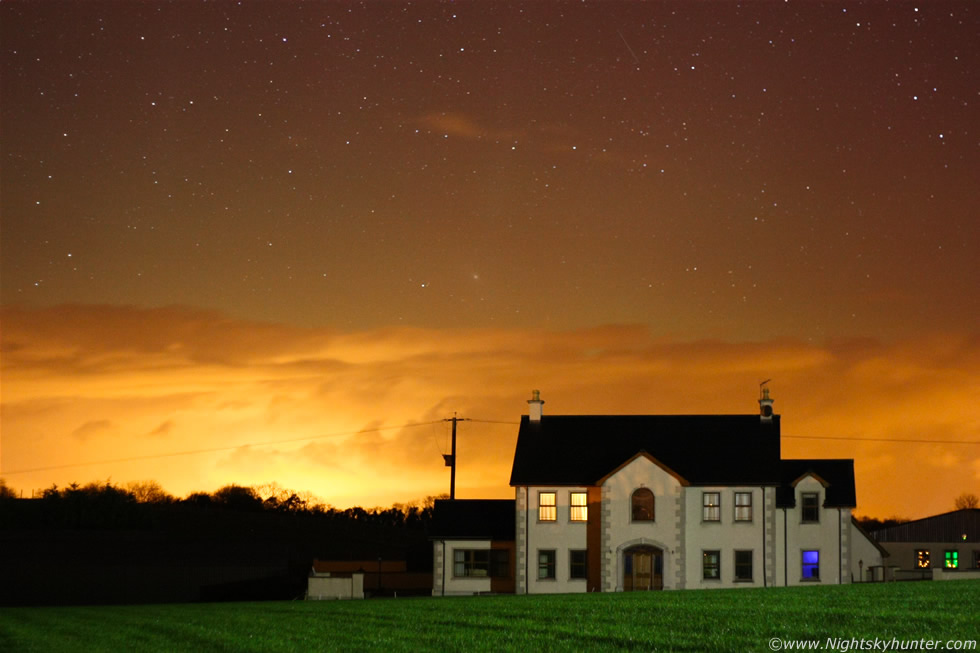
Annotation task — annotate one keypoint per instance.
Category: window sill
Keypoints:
(809, 580)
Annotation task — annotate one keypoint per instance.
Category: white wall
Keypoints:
(864, 554)
(560, 536)
(725, 536)
(955, 574)
(321, 586)
(828, 535)
(620, 532)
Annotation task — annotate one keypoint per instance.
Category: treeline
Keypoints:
(103, 504)
(873, 523)
(105, 543)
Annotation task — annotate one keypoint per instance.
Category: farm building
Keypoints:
(942, 547)
(644, 502)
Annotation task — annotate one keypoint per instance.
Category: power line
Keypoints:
(193, 452)
(215, 449)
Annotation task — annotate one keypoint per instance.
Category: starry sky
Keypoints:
(260, 241)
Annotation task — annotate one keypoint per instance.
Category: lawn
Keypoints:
(718, 620)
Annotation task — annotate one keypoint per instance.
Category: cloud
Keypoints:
(454, 124)
(357, 417)
(163, 429)
(92, 429)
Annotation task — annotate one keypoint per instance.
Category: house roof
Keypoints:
(698, 449)
(836, 475)
(473, 519)
(947, 527)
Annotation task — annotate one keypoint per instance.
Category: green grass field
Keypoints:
(718, 620)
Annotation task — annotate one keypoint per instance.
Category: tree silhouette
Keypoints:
(967, 500)
(6, 492)
(148, 492)
(238, 497)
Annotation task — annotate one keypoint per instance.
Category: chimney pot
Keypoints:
(534, 405)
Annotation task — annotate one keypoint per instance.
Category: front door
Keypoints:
(643, 569)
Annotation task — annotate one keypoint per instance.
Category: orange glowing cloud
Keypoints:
(196, 400)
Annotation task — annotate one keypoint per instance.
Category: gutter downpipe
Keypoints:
(785, 553)
(840, 550)
(764, 517)
(444, 567)
(527, 538)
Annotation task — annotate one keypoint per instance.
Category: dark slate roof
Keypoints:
(701, 449)
(473, 519)
(838, 474)
(947, 527)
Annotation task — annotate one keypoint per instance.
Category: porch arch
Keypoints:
(635, 552)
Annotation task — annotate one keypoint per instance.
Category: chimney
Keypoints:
(765, 403)
(534, 405)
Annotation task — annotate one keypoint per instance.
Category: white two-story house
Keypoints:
(645, 502)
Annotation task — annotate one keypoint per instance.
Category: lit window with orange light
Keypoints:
(579, 508)
(547, 509)
(922, 558)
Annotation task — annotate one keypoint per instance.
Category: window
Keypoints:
(643, 505)
(546, 506)
(976, 559)
(579, 510)
(500, 563)
(577, 563)
(743, 506)
(711, 564)
(952, 560)
(471, 562)
(712, 506)
(922, 558)
(811, 565)
(743, 565)
(546, 564)
(811, 506)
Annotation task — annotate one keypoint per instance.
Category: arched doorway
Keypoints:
(643, 568)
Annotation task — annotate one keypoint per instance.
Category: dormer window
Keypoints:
(810, 507)
(643, 505)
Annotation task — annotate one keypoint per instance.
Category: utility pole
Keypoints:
(451, 457)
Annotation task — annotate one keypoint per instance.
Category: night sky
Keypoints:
(267, 236)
